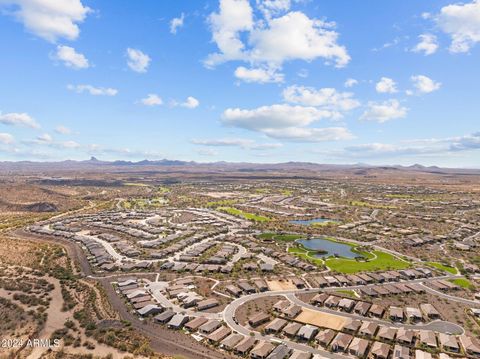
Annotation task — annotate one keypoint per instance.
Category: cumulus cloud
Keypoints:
(190, 102)
(6, 138)
(92, 90)
(258, 75)
(152, 100)
(386, 85)
(287, 122)
(48, 19)
(273, 40)
(71, 58)
(462, 23)
(137, 60)
(327, 98)
(350, 83)
(428, 44)
(62, 130)
(274, 116)
(384, 111)
(296, 36)
(18, 119)
(424, 84)
(176, 23)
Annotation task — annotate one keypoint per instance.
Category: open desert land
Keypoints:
(190, 261)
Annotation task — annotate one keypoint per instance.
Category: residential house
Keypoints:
(358, 347)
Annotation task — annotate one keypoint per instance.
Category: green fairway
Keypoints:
(281, 237)
(443, 267)
(246, 215)
(464, 283)
(382, 261)
(223, 202)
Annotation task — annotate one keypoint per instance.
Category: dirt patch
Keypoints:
(285, 284)
(254, 306)
(319, 319)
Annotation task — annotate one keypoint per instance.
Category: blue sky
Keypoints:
(394, 82)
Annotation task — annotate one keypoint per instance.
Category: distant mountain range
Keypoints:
(164, 165)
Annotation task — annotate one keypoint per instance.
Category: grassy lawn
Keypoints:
(383, 261)
(464, 283)
(246, 215)
(443, 267)
(281, 237)
(222, 203)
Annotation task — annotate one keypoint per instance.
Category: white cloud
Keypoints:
(286, 122)
(269, 42)
(327, 98)
(271, 8)
(68, 144)
(71, 58)
(63, 130)
(422, 147)
(296, 36)
(190, 102)
(95, 91)
(234, 16)
(305, 134)
(274, 116)
(6, 138)
(350, 83)
(176, 23)
(462, 22)
(137, 60)
(49, 19)
(44, 138)
(425, 84)
(386, 85)
(259, 75)
(236, 142)
(152, 100)
(384, 111)
(428, 44)
(18, 119)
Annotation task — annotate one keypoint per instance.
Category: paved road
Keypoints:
(473, 303)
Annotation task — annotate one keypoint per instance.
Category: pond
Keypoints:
(328, 248)
(307, 222)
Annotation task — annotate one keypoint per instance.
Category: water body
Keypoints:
(307, 222)
(330, 247)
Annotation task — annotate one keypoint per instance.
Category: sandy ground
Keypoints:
(55, 320)
(283, 285)
(319, 319)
